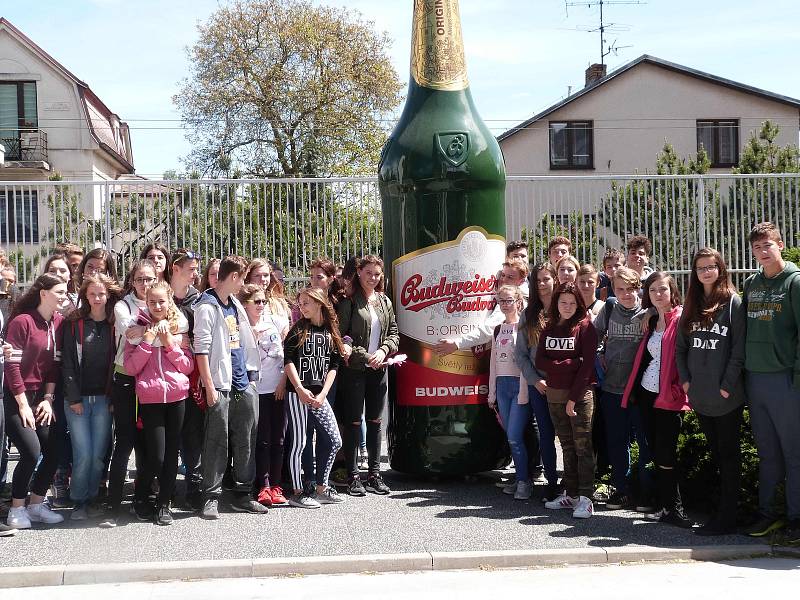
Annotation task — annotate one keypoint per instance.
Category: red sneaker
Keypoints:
(264, 497)
(277, 495)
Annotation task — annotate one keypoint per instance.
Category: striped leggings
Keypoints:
(328, 439)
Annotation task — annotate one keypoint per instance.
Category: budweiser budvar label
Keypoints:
(444, 291)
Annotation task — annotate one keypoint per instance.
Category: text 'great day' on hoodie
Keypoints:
(773, 318)
(567, 356)
(711, 359)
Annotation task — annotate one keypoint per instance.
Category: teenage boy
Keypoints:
(227, 359)
(619, 324)
(517, 249)
(639, 250)
(613, 260)
(558, 248)
(772, 379)
(184, 268)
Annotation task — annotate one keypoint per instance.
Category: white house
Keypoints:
(50, 122)
(618, 122)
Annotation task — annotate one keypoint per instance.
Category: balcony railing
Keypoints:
(29, 146)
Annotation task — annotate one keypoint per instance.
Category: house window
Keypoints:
(571, 145)
(19, 217)
(17, 112)
(720, 138)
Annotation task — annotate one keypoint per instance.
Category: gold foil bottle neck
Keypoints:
(437, 47)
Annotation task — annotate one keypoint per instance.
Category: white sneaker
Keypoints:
(523, 492)
(510, 488)
(18, 518)
(41, 513)
(584, 509)
(563, 501)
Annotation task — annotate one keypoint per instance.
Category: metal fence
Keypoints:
(294, 221)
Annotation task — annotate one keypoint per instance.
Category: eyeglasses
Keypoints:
(185, 255)
(144, 280)
(506, 301)
(259, 302)
(707, 269)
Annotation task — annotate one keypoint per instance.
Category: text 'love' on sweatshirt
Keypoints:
(567, 356)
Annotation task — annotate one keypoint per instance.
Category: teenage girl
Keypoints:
(531, 324)
(209, 278)
(508, 390)
(568, 269)
(272, 418)
(566, 353)
(655, 385)
(34, 334)
(367, 317)
(710, 356)
(159, 256)
(87, 361)
(312, 352)
(162, 386)
(123, 393)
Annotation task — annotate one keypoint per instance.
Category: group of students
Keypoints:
(220, 371)
(574, 348)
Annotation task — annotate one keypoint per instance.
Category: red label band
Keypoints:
(421, 386)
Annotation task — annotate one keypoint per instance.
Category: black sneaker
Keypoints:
(764, 526)
(376, 485)
(210, 509)
(164, 516)
(716, 527)
(791, 534)
(246, 504)
(143, 510)
(678, 518)
(194, 501)
(551, 492)
(618, 501)
(355, 487)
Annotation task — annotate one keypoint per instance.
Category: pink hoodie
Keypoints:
(162, 374)
(670, 393)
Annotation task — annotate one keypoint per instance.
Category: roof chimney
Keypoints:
(595, 73)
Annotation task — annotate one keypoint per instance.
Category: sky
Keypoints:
(522, 55)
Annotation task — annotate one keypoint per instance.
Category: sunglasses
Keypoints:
(259, 302)
(188, 255)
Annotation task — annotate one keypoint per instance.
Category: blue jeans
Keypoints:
(514, 417)
(775, 420)
(621, 424)
(91, 434)
(547, 433)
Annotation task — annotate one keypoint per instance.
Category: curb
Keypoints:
(18, 577)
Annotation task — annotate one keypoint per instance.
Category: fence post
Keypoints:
(701, 217)
(107, 211)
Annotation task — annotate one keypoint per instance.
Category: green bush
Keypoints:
(792, 254)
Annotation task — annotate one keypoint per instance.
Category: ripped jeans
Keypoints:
(575, 436)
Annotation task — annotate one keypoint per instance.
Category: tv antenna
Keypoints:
(604, 27)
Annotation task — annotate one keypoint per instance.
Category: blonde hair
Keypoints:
(627, 275)
(571, 259)
(172, 311)
(519, 265)
(511, 290)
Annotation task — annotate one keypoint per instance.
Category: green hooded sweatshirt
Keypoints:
(773, 320)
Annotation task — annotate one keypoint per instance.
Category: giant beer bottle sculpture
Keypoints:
(442, 184)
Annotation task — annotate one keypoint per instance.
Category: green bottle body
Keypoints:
(442, 185)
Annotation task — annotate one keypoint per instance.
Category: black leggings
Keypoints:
(362, 392)
(272, 421)
(163, 424)
(31, 443)
(126, 437)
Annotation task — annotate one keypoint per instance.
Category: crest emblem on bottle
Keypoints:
(453, 147)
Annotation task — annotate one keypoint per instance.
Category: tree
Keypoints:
(286, 88)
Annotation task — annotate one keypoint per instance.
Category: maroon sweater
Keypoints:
(567, 357)
(35, 352)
